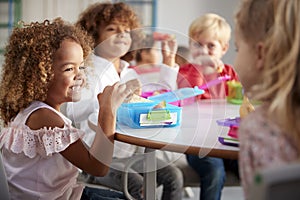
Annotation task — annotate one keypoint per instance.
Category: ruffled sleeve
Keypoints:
(43, 142)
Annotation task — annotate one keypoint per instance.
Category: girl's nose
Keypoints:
(121, 33)
(79, 75)
(80, 78)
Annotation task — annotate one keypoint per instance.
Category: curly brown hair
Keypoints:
(27, 69)
(99, 15)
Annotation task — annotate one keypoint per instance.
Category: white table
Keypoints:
(198, 135)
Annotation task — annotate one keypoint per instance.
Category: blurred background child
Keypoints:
(183, 55)
(209, 41)
(113, 27)
(154, 62)
(267, 62)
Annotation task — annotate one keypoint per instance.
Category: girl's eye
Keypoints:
(110, 29)
(68, 69)
(83, 67)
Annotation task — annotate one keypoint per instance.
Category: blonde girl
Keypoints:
(268, 60)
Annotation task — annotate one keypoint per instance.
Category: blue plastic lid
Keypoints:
(177, 95)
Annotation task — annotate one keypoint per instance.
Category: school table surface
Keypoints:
(198, 135)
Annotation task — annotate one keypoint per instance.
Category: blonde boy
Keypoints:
(209, 41)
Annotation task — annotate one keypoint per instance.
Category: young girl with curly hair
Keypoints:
(268, 60)
(113, 27)
(44, 67)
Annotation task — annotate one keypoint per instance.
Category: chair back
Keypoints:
(277, 184)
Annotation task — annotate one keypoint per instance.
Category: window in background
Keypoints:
(10, 11)
(146, 10)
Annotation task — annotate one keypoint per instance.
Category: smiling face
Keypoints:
(69, 77)
(114, 41)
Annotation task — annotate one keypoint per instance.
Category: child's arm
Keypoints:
(76, 152)
(169, 49)
(109, 101)
(169, 69)
(97, 159)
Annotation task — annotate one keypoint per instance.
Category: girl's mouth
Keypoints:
(120, 42)
(77, 85)
(76, 88)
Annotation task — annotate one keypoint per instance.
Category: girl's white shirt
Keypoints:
(102, 74)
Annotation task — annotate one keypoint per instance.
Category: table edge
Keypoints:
(219, 153)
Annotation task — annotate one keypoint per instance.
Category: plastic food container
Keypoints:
(149, 94)
(146, 115)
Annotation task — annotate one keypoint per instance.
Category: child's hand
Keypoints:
(211, 64)
(113, 96)
(135, 85)
(168, 49)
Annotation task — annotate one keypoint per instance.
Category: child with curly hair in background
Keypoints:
(267, 61)
(44, 67)
(113, 27)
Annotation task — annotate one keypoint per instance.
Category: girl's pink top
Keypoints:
(263, 145)
(34, 167)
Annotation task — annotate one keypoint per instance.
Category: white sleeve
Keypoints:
(128, 74)
(168, 76)
(79, 111)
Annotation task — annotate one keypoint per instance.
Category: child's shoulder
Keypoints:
(39, 115)
(44, 117)
(187, 68)
(229, 70)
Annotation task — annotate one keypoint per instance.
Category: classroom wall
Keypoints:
(172, 15)
(34, 10)
(177, 15)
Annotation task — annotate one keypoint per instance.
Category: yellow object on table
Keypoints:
(246, 107)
